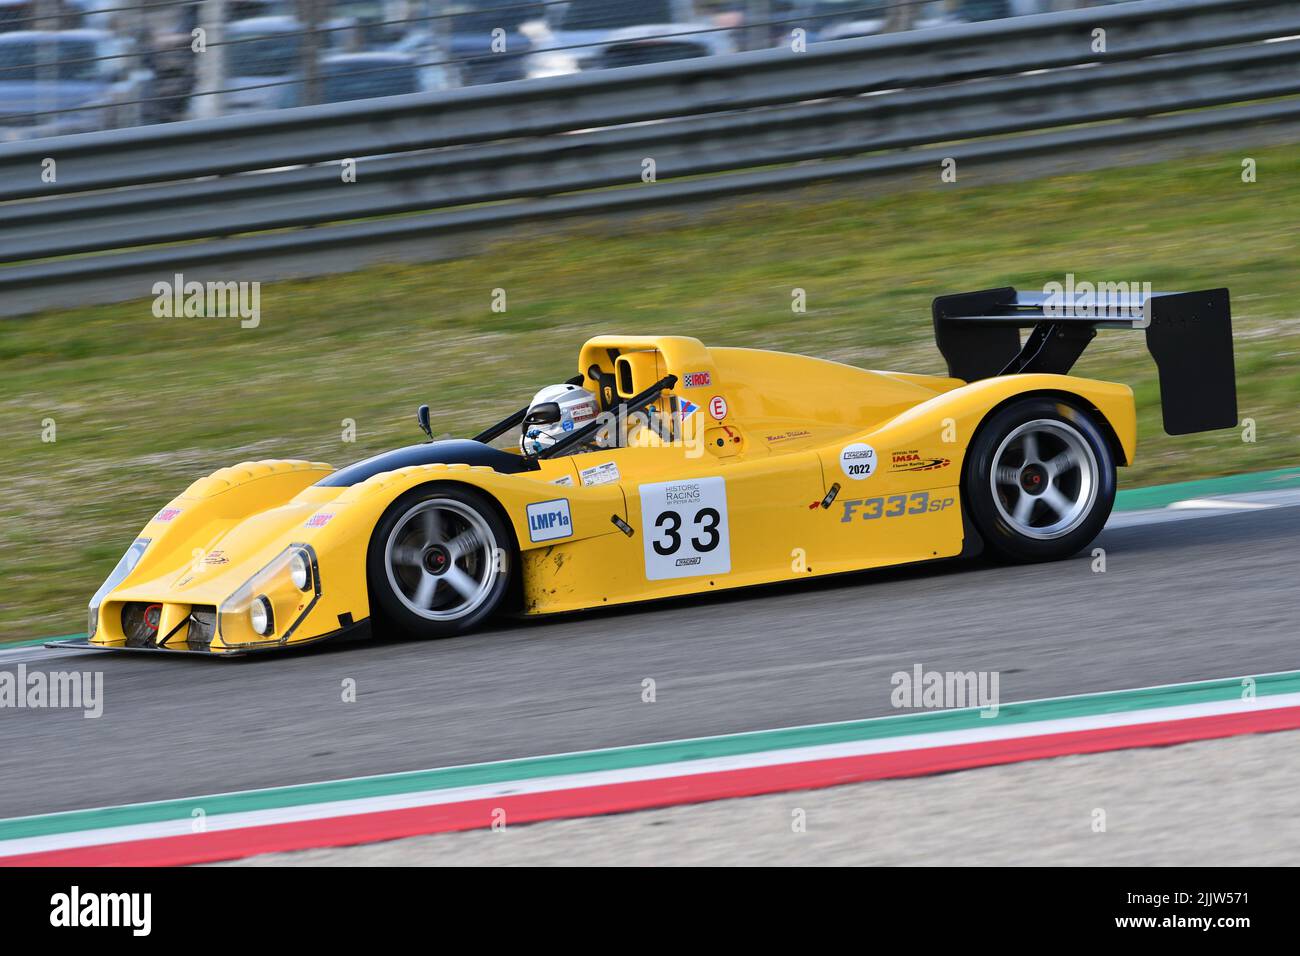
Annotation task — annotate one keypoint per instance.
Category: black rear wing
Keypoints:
(1189, 334)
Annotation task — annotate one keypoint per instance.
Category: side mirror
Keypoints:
(547, 413)
(422, 418)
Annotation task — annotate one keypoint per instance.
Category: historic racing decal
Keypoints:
(697, 379)
(858, 460)
(684, 526)
(548, 520)
(167, 514)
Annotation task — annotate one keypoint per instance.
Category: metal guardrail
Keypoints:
(194, 194)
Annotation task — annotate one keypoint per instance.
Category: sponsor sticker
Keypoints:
(216, 557)
(688, 409)
(565, 480)
(603, 474)
(697, 379)
(718, 407)
(167, 514)
(685, 528)
(319, 519)
(548, 520)
(858, 460)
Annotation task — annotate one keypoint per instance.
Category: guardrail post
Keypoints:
(210, 76)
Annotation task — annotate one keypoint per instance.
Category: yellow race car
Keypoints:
(702, 469)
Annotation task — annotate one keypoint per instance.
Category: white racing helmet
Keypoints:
(554, 412)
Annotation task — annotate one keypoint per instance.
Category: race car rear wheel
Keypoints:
(438, 562)
(1039, 480)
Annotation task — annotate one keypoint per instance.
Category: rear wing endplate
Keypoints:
(1189, 334)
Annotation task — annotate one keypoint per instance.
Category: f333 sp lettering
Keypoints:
(893, 506)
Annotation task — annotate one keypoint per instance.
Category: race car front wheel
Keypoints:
(1039, 480)
(438, 561)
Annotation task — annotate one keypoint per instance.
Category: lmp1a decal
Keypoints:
(685, 528)
(548, 520)
(893, 506)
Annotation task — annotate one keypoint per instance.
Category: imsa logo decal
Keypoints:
(548, 520)
(915, 461)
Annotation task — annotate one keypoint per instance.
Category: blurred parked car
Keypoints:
(478, 53)
(837, 19)
(360, 76)
(251, 9)
(472, 36)
(970, 11)
(264, 60)
(841, 19)
(30, 15)
(601, 34)
(45, 73)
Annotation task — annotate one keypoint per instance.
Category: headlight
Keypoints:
(260, 616)
(124, 567)
(273, 602)
(300, 570)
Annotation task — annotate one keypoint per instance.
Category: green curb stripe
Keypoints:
(32, 642)
(646, 755)
(1162, 496)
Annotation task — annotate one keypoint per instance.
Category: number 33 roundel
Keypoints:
(685, 528)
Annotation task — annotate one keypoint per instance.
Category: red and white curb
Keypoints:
(370, 809)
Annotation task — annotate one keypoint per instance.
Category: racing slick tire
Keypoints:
(1039, 480)
(440, 561)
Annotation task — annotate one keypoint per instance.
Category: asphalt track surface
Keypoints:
(1180, 600)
